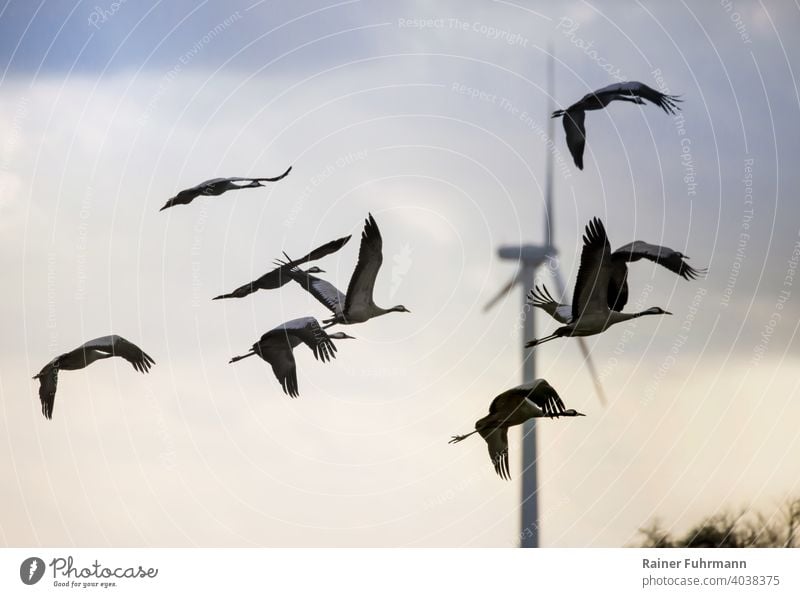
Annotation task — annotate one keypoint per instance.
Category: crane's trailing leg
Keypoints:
(239, 358)
(457, 438)
(539, 341)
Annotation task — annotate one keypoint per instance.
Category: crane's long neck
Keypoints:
(650, 312)
(618, 317)
(382, 311)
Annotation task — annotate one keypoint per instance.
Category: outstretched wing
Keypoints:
(275, 347)
(285, 370)
(668, 103)
(242, 291)
(497, 442)
(576, 134)
(664, 256)
(322, 290)
(310, 333)
(543, 395)
(319, 252)
(48, 381)
(618, 286)
(591, 287)
(540, 297)
(273, 179)
(120, 347)
(370, 258)
(281, 275)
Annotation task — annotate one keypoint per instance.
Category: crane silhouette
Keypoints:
(529, 258)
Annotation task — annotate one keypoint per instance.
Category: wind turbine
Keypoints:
(529, 258)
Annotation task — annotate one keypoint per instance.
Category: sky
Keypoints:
(434, 118)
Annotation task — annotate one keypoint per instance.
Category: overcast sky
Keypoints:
(433, 118)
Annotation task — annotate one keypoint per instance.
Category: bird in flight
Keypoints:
(590, 313)
(280, 275)
(531, 400)
(631, 91)
(276, 347)
(217, 186)
(83, 356)
(357, 306)
(674, 261)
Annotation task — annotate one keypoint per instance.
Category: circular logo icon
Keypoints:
(31, 570)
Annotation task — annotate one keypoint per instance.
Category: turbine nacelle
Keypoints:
(532, 255)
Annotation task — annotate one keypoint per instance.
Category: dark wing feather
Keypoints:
(576, 134)
(668, 103)
(273, 179)
(497, 442)
(243, 290)
(273, 279)
(120, 347)
(285, 370)
(320, 252)
(140, 360)
(308, 330)
(322, 290)
(504, 407)
(370, 258)
(617, 285)
(545, 397)
(540, 297)
(282, 275)
(664, 256)
(48, 381)
(591, 288)
(275, 347)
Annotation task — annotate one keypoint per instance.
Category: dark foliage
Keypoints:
(782, 529)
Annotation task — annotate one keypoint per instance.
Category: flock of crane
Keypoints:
(600, 294)
(277, 345)
(601, 288)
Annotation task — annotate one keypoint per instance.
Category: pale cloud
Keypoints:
(362, 457)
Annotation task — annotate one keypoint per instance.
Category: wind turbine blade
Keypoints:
(560, 285)
(548, 193)
(582, 344)
(587, 357)
(503, 291)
